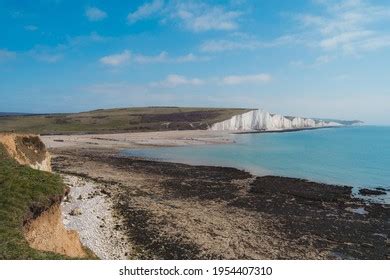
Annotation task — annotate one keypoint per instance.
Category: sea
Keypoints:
(357, 156)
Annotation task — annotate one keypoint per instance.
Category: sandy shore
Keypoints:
(136, 140)
(178, 211)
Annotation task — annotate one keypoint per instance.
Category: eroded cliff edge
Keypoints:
(30, 197)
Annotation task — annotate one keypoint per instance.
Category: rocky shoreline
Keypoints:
(87, 208)
(178, 211)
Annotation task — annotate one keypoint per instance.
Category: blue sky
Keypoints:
(313, 58)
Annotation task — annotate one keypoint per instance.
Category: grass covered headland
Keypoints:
(24, 194)
(119, 120)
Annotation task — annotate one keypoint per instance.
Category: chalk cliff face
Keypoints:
(262, 120)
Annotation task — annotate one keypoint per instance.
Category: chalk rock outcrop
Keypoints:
(262, 120)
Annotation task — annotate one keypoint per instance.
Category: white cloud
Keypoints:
(196, 16)
(349, 26)
(47, 54)
(116, 59)
(202, 17)
(175, 80)
(93, 37)
(163, 57)
(189, 58)
(95, 14)
(244, 42)
(246, 79)
(31, 28)
(5, 55)
(145, 11)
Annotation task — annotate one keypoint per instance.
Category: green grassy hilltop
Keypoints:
(119, 120)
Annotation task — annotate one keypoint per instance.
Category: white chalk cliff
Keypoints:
(262, 120)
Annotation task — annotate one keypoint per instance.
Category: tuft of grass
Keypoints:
(23, 192)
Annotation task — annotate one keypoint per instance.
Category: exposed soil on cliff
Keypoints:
(31, 221)
(26, 150)
(178, 211)
(47, 233)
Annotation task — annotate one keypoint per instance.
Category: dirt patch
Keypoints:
(47, 233)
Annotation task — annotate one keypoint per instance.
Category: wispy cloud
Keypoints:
(31, 28)
(349, 26)
(324, 59)
(53, 54)
(244, 42)
(196, 16)
(144, 59)
(47, 57)
(203, 17)
(95, 14)
(91, 38)
(175, 80)
(318, 61)
(6, 54)
(116, 59)
(163, 57)
(145, 11)
(246, 79)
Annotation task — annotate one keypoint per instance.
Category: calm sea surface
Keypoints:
(356, 156)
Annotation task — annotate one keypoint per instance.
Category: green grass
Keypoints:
(119, 120)
(22, 187)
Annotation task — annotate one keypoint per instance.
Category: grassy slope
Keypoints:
(21, 188)
(119, 120)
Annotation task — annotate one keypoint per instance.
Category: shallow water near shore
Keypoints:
(354, 156)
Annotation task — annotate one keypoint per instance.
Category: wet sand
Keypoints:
(178, 211)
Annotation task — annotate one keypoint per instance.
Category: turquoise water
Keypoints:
(355, 156)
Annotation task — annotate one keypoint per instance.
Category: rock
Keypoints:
(382, 189)
(80, 197)
(75, 212)
(106, 192)
(367, 192)
(68, 198)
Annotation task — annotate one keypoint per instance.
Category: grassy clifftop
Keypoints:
(24, 192)
(119, 120)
